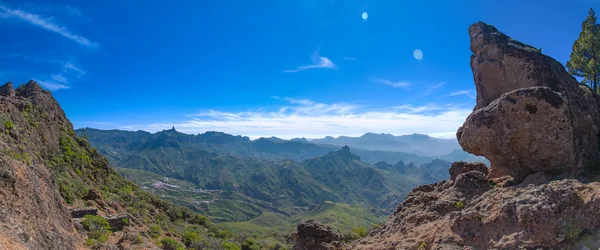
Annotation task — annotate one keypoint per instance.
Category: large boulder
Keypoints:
(461, 167)
(312, 235)
(531, 115)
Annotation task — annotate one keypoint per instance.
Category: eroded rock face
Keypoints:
(7, 90)
(531, 115)
(461, 167)
(313, 235)
(548, 216)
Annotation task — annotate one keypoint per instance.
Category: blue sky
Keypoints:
(268, 68)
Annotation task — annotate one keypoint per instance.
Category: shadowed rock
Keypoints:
(7, 90)
(461, 167)
(313, 235)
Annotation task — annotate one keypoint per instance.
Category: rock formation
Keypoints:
(7, 90)
(50, 178)
(313, 235)
(539, 128)
(461, 167)
(531, 115)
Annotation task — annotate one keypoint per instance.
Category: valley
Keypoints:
(269, 185)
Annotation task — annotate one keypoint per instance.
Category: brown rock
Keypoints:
(118, 222)
(312, 235)
(81, 212)
(531, 115)
(94, 195)
(7, 90)
(460, 167)
(547, 216)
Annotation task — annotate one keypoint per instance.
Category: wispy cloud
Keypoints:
(98, 123)
(318, 62)
(307, 118)
(468, 93)
(401, 84)
(46, 24)
(61, 80)
(426, 108)
(51, 85)
(432, 89)
(71, 68)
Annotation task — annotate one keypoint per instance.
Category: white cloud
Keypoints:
(46, 24)
(319, 62)
(432, 89)
(98, 123)
(393, 84)
(51, 85)
(59, 78)
(468, 93)
(310, 119)
(71, 68)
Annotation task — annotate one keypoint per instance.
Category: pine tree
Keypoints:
(585, 58)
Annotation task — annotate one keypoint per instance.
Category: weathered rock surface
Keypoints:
(461, 167)
(117, 221)
(81, 212)
(531, 115)
(7, 90)
(548, 215)
(32, 212)
(313, 235)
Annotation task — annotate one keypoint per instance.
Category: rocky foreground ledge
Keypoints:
(539, 128)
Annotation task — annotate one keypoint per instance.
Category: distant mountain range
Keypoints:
(418, 144)
(372, 148)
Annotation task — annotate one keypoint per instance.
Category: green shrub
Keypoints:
(171, 244)
(572, 232)
(223, 234)
(361, 231)
(8, 125)
(250, 244)
(97, 227)
(138, 239)
(125, 221)
(189, 237)
(230, 246)
(459, 205)
(422, 246)
(154, 231)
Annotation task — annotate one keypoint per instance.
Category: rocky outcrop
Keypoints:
(117, 221)
(32, 212)
(82, 212)
(7, 90)
(539, 129)
(313, 235)
(531, 115)
(461, 167)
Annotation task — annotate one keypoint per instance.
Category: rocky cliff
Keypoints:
(50, 178)
(539, 128)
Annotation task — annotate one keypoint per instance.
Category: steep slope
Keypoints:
(47, 173)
